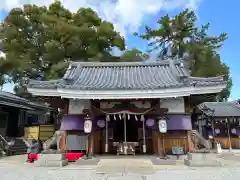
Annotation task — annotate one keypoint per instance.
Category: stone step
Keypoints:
(201, 160)
(200, 156)
(52, 157)
(52, 160)
(51, 163)
(199, 163)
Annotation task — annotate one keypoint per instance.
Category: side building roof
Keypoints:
(9, 99)
(220, 109)
(89, 77)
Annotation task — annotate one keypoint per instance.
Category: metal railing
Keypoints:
(4, 140)
(5, 145)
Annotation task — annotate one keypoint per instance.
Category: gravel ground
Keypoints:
(12, 169)
(16, 172)
(197, 174)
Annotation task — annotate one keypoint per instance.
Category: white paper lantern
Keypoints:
(101, 123)
(87, 126)
(162, 125)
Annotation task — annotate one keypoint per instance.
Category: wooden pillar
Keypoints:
(106, 135)
(66, 106)
(155, 142)
(91, 144)
(63, 142)
(159, 144)
(229, 135)
(190, 144)
(87, 144)
(96, 142)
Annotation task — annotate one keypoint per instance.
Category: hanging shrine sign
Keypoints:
(162, 126)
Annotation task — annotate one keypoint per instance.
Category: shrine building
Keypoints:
(125, 102)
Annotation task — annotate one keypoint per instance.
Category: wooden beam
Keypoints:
(154, 111)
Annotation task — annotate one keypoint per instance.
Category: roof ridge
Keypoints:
(215, 102)
(53, 80)
(108, 64)
(223, 103)
(217, 78)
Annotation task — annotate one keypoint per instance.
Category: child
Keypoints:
(34, 149)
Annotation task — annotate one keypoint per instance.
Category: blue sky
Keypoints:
(222, 15)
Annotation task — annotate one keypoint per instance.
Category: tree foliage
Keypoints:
(40, 40)
(180, 38)
(134, 54)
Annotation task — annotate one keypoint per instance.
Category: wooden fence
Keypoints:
(225, 143)
(166, 142)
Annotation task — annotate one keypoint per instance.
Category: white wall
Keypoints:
(174, 105)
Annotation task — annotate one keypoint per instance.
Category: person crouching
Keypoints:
(34, 150)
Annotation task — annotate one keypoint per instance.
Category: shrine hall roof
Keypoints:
(220, 109)
(126, 75)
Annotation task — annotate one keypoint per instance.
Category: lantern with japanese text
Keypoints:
(162, 126)
(87, 124)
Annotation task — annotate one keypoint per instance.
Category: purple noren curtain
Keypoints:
(179, 122)
(72, 122)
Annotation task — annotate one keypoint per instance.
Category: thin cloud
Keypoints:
(126, 15)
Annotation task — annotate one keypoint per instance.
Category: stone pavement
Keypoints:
(130, 169)
(23, 173)
(125, 166)
(230, 159)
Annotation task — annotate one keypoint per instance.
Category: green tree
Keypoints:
(134, 55)
(179, 37)
(41, 41)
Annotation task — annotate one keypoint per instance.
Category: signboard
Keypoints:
(162, 125)
(87, 126)
(76, 106)
(174, 105)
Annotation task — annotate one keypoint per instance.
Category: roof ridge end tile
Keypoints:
(174, 70)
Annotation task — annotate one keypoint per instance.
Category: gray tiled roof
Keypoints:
(7, 98)
(126, 75)
(7, 95)
(220, 109)
(53, 84)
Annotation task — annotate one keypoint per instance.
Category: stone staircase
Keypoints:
(19, 146)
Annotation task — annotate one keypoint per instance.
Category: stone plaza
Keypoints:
(23, 173)
(125, 169)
